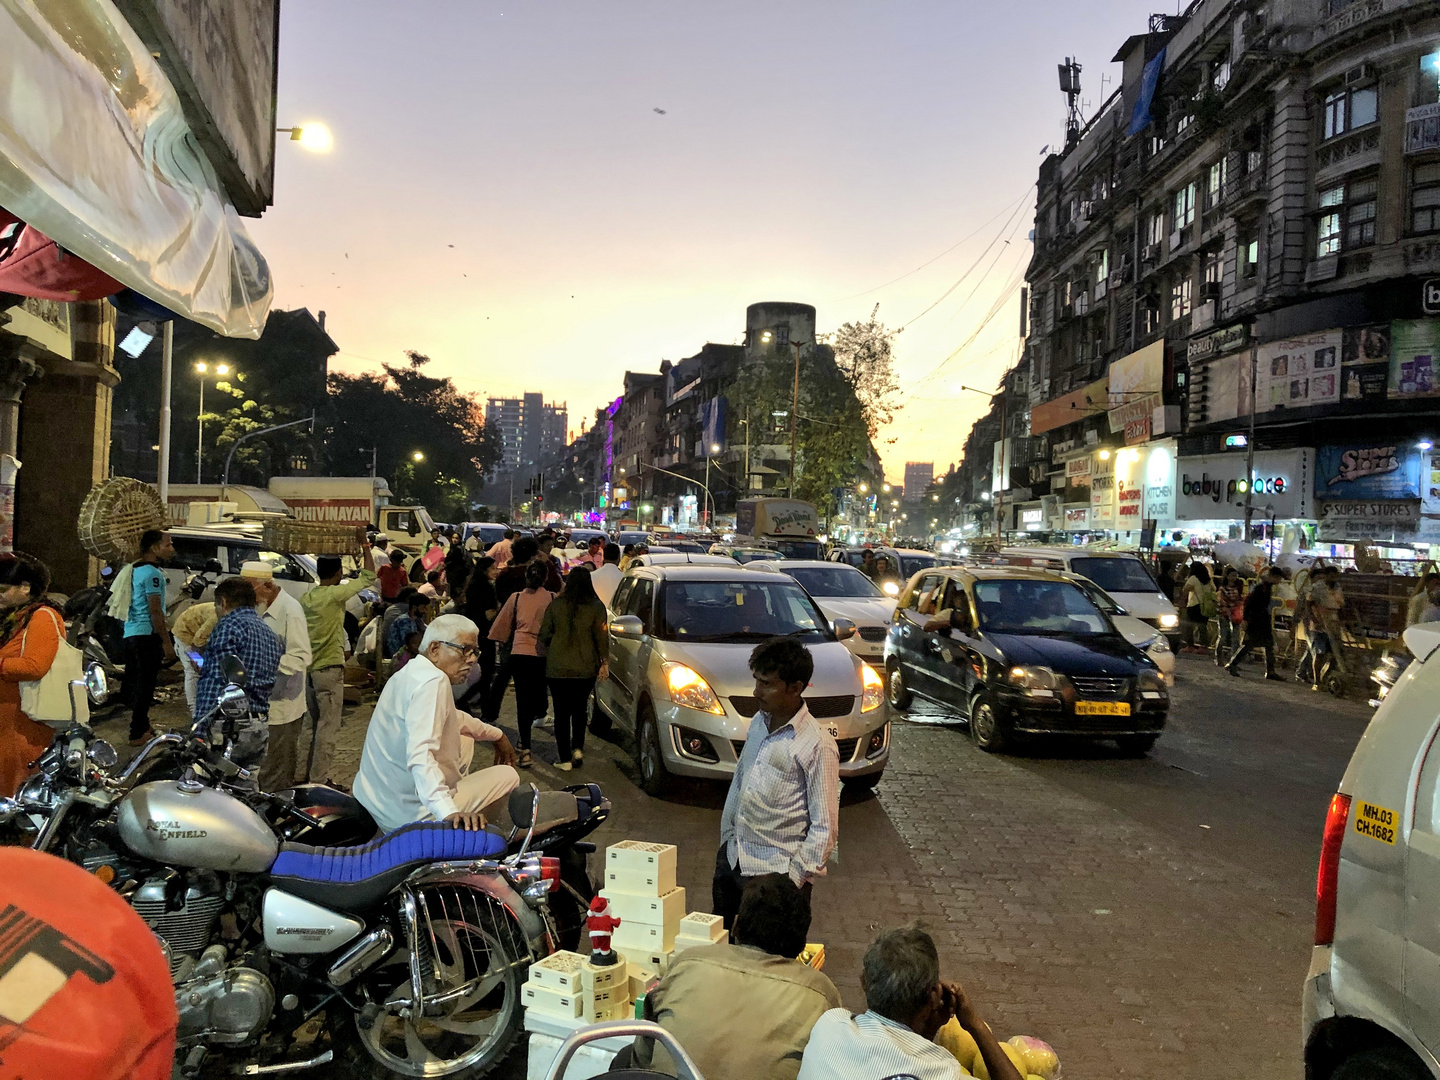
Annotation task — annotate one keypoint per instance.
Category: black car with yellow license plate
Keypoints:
(1021, 653)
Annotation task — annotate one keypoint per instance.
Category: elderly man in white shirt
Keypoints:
(416, 762)
(285, 618)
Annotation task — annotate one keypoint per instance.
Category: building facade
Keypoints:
(531, 431)
(1230, 302)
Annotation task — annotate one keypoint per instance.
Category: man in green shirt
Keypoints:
(325, 618)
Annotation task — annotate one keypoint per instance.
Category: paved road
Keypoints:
(1148, 917)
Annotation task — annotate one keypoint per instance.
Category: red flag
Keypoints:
(31, 264)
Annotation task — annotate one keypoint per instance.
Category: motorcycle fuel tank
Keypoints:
(182, 824)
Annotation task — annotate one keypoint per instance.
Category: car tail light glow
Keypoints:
(1328, 878)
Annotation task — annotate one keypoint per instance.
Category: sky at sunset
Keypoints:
(504, 197)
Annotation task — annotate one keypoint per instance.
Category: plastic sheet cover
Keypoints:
(96, 153)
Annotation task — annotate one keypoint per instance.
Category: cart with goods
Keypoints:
(312, 537)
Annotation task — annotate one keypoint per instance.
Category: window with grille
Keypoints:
(1425, 198)
(1180, 298)
(1427, 84)
(1155, 229)
(1220, 74)
(1345, 110)
(1219, 173)
(1211, 263)
(1347, 217)
(1185, 206)
(1249, 253)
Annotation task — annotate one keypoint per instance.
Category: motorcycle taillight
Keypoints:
(550, 871)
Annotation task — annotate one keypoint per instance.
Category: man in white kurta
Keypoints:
(416, 762)
(285, 618)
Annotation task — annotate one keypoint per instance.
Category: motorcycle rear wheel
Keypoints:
(396, 1046)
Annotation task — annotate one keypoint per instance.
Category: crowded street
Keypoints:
(830, 540)
(1147, 917)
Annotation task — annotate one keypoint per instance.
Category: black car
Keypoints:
(1020, 653)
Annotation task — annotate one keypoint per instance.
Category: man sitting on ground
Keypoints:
(906, 1005)
(416, 762)
(769, 1001)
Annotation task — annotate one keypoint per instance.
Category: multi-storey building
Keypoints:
(1229, 306)
(531, 432)
(918, 476)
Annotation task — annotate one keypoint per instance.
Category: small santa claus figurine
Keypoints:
(601, 924)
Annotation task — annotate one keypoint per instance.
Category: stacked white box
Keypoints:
(640, 886)
(566, 991)
(704, 927)
(683, 942)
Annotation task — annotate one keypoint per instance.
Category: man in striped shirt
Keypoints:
(782, 814)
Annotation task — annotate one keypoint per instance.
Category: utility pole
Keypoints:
(167, 359)
(1250, 451)
(794, 416)
(747, 451)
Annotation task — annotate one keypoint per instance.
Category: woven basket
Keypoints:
(313, 538)
(115, 514)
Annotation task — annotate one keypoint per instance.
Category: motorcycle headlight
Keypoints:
(891, 588)
(872, 692)
(1035, 681)
(1169, 622)
(1151, 684)
(687, 687)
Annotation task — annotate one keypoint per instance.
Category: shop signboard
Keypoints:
(1102, 490)
(1135, 385)
(1368, 471)
(1077, 518)
(1342, 520)
(1213, 487)
(1365, 363)
(1215, 344)
(1145, 484)
(1429, 531)
(1299, 372)
(1032, 519)
(1137, 431)
(1068, 408)
(1414, 355)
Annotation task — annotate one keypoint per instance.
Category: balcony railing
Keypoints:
(1422, 129)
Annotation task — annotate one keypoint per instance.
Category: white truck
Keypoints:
(341, 500)
(790, 526)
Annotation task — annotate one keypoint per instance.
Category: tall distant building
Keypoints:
(918, 476)
(530, 431)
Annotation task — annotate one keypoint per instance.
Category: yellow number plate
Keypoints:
(1102, 708)
(1375, 822)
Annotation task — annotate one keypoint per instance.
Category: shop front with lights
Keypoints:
(1212, 489)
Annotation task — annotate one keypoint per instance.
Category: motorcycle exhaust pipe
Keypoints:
(364, 954)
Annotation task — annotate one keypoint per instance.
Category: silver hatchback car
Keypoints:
(680, 644)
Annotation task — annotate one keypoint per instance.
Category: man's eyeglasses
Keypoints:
(469, 652)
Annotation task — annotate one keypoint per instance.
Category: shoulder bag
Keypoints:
(59, 695)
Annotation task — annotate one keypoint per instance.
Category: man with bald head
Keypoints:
(416, 762)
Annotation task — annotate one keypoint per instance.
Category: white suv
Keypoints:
(1371, 1004)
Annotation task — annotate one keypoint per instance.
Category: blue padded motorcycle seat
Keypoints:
(355, 878)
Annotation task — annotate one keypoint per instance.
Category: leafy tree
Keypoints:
(864, 354)
(403, 411)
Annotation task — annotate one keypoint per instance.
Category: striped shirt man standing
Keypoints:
(782, 813)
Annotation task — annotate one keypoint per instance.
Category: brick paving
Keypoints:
(1074, 892)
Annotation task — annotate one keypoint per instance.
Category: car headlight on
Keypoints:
(1169, 622)
(1152, 685)
(1035, 681)
(1158, 645)
(688, 688)
(891, 589)
(872, 692)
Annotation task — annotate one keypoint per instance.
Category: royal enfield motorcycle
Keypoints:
(403, 956)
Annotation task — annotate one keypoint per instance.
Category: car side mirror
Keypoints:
(844, 629)
(627, 626)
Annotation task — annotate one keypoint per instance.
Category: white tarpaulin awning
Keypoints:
(96, 153)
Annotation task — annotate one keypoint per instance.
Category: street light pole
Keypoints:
(200, 433)
(167, 363)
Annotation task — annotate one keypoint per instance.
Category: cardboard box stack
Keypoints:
(565, 992)
(700, 928)
(640, 885)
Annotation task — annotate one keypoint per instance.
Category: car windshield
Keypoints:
(1116, 574)
(800, 549)
(1037, 607)
(835, 580)
(742, 556)
(910, 565)
(1100, 598)
(739, 611)
(632, 538)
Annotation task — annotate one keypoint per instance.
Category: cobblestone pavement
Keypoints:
(1150, 918)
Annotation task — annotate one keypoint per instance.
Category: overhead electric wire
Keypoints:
(969, 270)
(1005, 294)
(968, 236)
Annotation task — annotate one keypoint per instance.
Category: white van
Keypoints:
(1371, 1004)
(1122, 574)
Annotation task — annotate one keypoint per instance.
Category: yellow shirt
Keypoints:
(194, 625)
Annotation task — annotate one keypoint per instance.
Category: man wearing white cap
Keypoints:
(285, 618)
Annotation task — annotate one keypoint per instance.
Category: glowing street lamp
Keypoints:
(203, 369)
(311, 135)
(418, 455)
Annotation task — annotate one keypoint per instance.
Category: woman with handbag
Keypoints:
(30, 638)
(518, 624)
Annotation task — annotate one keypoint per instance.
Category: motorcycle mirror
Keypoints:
(233, 701)
(103, 754)
(234, 670)
(212, 566)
